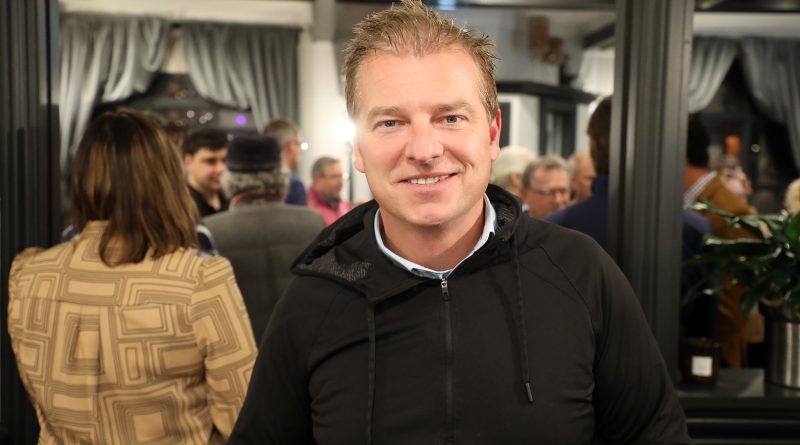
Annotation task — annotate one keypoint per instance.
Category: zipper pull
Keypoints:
(445, 290)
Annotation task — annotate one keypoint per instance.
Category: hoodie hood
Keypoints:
(347, 252)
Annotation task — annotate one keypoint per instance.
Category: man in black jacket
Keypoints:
(439, 313)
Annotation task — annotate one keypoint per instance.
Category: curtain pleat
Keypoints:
(245, 67)
(711, 59)
(104, 59)
(772, 71)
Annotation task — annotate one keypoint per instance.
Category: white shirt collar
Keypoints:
(489, 222)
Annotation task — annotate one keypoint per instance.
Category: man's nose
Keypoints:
(423, 145)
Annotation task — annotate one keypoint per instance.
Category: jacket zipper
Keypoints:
(448, 373)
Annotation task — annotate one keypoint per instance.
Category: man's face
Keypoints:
(423, 138)
(204, 169)
(331, 181)
(547, 192)
(583, 177)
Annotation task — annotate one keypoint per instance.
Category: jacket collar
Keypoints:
(347, 252)
(489, 222)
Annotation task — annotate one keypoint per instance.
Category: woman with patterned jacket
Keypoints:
(125, 334)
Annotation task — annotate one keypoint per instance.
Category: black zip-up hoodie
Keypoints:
(536, 338)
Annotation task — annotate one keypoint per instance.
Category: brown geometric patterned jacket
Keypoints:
(157, 352)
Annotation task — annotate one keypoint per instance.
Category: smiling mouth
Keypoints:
(427, 181)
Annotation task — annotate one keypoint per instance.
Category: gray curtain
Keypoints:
(245, 67)
(772, 71)
(711, 59)
(104, 59)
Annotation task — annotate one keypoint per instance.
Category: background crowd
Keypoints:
(148, 197)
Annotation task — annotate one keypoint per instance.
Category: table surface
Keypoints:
(738, 389)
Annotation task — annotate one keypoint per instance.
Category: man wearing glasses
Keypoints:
(546, 186)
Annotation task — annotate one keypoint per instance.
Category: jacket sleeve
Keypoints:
(19, 283)
(635, 402)
(225, 339)
(277, 408)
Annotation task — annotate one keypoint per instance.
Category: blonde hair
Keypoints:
(512, 160)
(792, 200)
(127, 172)
(416, 30)
(282, 129)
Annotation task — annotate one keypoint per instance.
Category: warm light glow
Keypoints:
(345, 130)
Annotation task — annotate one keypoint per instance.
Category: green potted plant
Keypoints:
(768, 265)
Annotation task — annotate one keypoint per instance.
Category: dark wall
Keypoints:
(29, 179)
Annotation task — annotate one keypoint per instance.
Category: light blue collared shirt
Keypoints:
(489, 223)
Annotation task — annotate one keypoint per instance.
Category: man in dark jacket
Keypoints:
(288, 136)
(439, 313)
(259, 234)
(590, 216)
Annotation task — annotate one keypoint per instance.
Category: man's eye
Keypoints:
(452, 119)
(389, 123)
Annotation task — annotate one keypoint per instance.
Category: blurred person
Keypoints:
(792, 200)
(590, 216)
(507, 169)
(735, 330)
(439, 312)
(288, 136)
(735, 179)
(143, 340)
(325, 194)
(204, 152)
(582, 174)
(259, 234)
(546, 182)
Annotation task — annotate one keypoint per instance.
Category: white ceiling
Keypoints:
(273, 12)
(300, 13)
(742, 24)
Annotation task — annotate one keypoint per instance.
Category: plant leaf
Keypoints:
(792, 231)
(703, 205)
(767, 265)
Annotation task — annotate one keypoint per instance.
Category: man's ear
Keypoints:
(494, 135)
(359, 161)
(187, 159)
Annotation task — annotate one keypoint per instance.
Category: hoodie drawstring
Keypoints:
(522, 332)
(371, 370)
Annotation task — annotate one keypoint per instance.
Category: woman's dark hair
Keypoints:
(126, 172)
